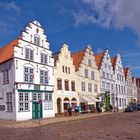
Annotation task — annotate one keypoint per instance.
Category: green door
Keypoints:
(36, 110)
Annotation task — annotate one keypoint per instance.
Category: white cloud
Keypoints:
(110, 13)
(9, 6)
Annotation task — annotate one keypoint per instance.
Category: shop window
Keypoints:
(48, 103)
(23, 101)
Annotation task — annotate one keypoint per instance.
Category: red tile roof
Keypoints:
(98, 58)
(7, 51)
(113, 61)
(77, 58)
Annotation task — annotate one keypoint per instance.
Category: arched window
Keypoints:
(37, 39)
(66, 85)
(73, 86)
(59, 84)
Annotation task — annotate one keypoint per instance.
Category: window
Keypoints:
(103, 74)
(9, 102)
(82, 86)
(36, 39)
(92, 75)
(59, 84)
(103, 84)
(48, 104)
(23, 101)
(111, 77)
(6, 76)
(107, 75)
(86, 73)
(44, 77)
(73, 86)
(66, 85)
(36, 96)
(89, 62)
(44, 58)
(69, 70)
(105, 65)
(63, 68)
(28, 74)
(95, 88)
(116, 88)
(89, 87)
(119, 101)
(112, 87)
(108, 85)
(66, 69)
(29, 54)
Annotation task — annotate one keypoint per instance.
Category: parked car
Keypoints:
(138, 107)
(129, 108)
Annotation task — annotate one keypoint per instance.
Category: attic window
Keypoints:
(37, 39)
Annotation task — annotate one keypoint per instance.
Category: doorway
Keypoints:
(59, 106)
(37, 110)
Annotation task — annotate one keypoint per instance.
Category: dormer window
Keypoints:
(37, 39)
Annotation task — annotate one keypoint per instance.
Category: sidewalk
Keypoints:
(47, 121)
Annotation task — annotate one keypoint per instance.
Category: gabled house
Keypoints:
(88, 79)
(27, 76)
(121, 94)
(131, 88)
(65, 90)
(107, 78)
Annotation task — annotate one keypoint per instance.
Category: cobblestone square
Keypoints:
(121, 126)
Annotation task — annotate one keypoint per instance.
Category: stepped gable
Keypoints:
(98, 59)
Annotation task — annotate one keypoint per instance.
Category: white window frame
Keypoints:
(44, 58)
(5, 76)
(29, 54)
(44, 79)
(95, 88)
(83, 86)
(89, 87)
(92, 75)
(23, 100)
(36, 39)
(48, 101)
(9, 105)
(28, 75)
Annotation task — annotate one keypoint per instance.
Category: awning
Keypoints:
(94, 99)
(85, 99)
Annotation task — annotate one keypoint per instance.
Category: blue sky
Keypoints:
(112, 24)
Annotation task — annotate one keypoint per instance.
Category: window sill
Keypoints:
(24, 111)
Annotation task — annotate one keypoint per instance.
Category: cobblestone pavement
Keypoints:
(122, 126)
